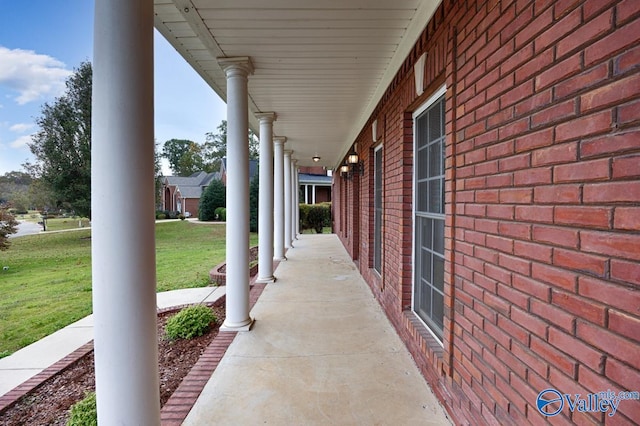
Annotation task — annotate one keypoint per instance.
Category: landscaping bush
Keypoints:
(190, 322)
(213, 197)
(319, 216)
(304, 216)
(160, 215)
(221, 214)
(84, 412)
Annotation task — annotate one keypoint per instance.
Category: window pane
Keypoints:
(437, 314)
(435, 197)
(427, 232)
(435, 159)
(438, 273)
(426, 266)
(435, 122)
(438, 236)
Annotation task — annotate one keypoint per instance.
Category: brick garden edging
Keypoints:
(176, 409)
(178, 406)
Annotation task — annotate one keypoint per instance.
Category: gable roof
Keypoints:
(192, 186)
(253, 167)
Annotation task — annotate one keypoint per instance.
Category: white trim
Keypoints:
(432, 99)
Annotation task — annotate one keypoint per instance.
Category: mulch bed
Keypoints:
(49, 403)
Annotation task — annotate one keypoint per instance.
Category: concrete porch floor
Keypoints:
(321, 351)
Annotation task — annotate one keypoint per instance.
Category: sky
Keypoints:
(43, 41)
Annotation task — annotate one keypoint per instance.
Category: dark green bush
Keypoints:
(319, 216)
(221, 214)
(190, 322)
(304, 216)
(214, 196)
(84, 412)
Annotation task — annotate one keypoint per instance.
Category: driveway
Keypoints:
(26, 228)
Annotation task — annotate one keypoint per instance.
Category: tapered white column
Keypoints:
(288, 202)
(265, 199)
(237, 253)
(278, 198)
(123, 246)
(296, 200)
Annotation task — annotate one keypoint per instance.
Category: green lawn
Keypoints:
(48, 283)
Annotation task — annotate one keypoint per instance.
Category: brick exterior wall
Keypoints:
(542, 192)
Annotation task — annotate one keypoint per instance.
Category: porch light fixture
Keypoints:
(352, 166)
(315, 158)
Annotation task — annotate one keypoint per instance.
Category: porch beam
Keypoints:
(123, 262)
(237, 71)
(278, 198)
(265, 199)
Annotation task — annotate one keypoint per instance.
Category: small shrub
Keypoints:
(190, 322)
(221, 214)
(181, 216)
(161, 216)
(84, 412)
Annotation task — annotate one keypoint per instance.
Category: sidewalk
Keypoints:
(321, 351)
(31, 360)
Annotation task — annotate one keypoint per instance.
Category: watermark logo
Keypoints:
(550, 402)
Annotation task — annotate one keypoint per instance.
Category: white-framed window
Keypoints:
(377, 207)
(428, 212)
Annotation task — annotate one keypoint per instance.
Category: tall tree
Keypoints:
(184, 156)
(215, 147)
(62, 146)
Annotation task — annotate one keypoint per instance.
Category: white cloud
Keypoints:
(21, 127)
(21, 142)
(32, 75)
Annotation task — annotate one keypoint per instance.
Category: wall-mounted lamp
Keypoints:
(352, 166)
(315, 158)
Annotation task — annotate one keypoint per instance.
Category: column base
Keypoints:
(266, 280)
(237, 327)
(280, 259)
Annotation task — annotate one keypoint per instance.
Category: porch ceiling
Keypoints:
(321, 65)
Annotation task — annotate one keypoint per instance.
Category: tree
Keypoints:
(215, 147)
(7, 226)
(214, 196)
(62, 146)
(254, 190)
(185, 156)
(157, 173)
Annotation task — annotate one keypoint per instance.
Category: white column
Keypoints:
(278, 196)
(313, 194)
(237, 253)
(296, 200)
(123, 262)
(265, 199)
(288, 202)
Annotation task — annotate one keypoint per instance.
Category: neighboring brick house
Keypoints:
(497, 219)
(183, 194)
(315, 185)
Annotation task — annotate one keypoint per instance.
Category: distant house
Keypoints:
(315, 185)
(183, 194)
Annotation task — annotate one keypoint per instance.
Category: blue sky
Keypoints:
(42, 41)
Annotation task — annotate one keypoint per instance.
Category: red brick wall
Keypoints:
(542, 205)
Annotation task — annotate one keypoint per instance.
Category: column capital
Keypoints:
(266, 117)
(288, 153)
(240, 65)
(279, 140)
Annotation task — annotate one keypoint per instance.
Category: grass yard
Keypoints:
(48, 283)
